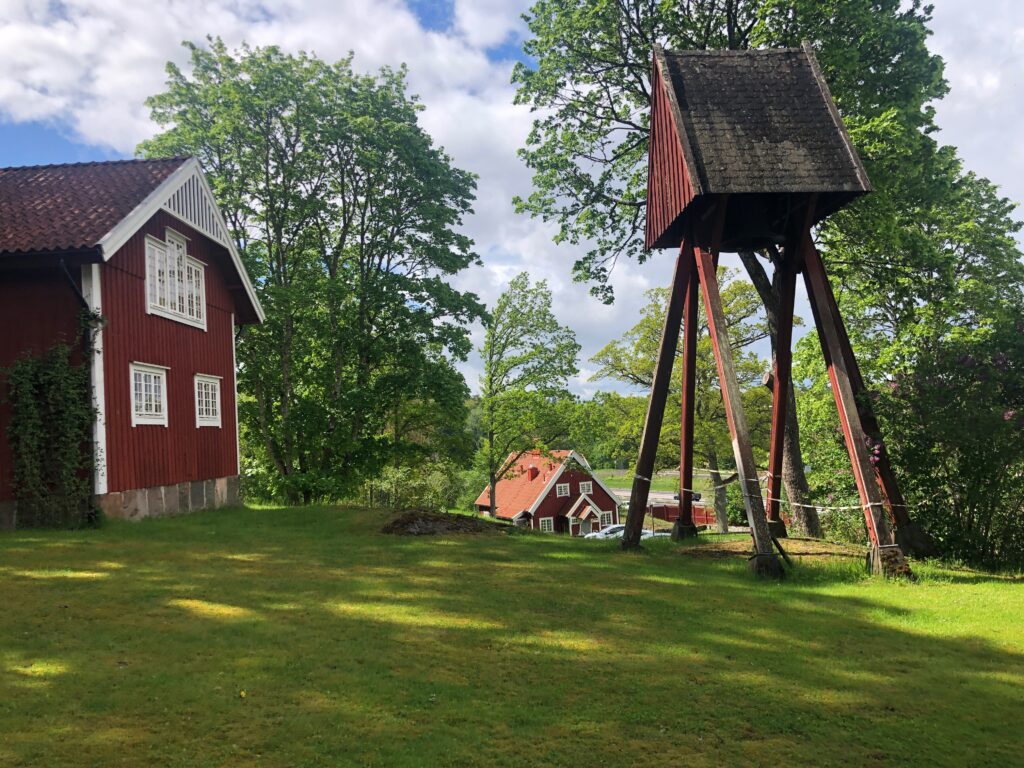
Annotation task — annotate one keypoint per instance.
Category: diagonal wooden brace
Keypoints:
(781, 374)
(684, 527)
(765, 562)
(659, 394)
(910, 537)
(859, 445)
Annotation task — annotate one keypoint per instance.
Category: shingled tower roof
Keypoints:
(747, 123)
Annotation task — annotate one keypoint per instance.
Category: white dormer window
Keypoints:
(207, 400)
(175, 282)
(562, 490)
(587, 487)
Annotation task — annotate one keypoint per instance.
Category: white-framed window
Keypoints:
(587, 486)
(175, 282)
(606, 519)
(562, 490)
(149, 394)
(547, 524)
(207, 400)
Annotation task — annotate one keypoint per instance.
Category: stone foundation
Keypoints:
(164, 500)
(889, 562)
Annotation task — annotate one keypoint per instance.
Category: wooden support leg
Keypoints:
(764, 562)
(910, 536)
(885, 556)
(781, 374)
(656, 404)
(684, 527)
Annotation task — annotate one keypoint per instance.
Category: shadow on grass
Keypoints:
(358, 648)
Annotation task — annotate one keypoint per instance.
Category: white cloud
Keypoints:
(489, 23)
(982, 44)
(88, 65)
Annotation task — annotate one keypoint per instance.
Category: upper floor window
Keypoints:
(175, 282)
(149, 394)
(587, 487)
(207, 400)
(561, 489)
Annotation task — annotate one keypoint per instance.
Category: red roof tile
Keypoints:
(71, 207)
(518, 490)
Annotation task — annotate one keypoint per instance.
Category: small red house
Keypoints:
(555, 493)
(143, 244)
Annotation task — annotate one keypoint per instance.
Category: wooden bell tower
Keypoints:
(748, 153)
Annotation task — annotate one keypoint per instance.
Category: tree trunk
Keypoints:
(805, 519)
(721, 499)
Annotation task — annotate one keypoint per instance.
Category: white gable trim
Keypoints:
(91, 290)
(579, 459)
(187, 196)
(584, 498)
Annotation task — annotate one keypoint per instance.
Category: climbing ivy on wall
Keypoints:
(50, 434)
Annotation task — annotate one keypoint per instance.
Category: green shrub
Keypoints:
(436, 487)
(50, 435)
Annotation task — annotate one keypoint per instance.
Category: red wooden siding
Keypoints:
(38, 308)
(702, 513)
(150, 455)
(555, 507)
(669, 189)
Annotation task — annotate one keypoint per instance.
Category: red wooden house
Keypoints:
(554, 493)
(142, 243)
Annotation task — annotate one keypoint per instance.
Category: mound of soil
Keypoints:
(795, 547)
(420, 522)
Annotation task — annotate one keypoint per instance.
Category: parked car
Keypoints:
(608, 532)
(648, 534)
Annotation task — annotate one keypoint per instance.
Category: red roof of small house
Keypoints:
(56, 208)
(518, 490)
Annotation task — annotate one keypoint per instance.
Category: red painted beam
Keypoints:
(688, 389)
(837, 359)
(781, 375)
(656, 403)
(765, 561)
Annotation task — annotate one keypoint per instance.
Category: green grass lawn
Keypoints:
(133, 645)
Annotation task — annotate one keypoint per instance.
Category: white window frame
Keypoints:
(586, 486)
(186, 302)
(205, 420)
(606, 519)
(561, 490)
(159, 373)
(546, 525)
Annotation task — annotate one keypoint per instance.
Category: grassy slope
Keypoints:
(130, 646)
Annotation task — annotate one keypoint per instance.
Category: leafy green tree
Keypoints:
(347, 218)
(631, 360)
(528, 360)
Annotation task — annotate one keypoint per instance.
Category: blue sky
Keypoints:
(74, 75)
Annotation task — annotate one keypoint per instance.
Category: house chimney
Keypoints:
(532, 472)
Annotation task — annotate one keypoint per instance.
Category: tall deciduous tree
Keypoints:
(631, 360)
(347, 218)
(528, 360)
